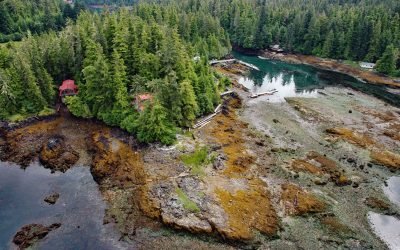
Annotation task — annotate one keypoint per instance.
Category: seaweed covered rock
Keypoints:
(376, 203)
(115, 161)
(30, 234)
(299, 202)
(57, 155)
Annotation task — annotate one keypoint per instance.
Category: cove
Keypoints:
(298, 80)
(80, 208)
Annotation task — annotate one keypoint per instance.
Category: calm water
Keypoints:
(80, 208)
(388, 227)
(393, 189)
(294, 80)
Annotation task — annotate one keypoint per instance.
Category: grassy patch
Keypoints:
(352, 63)
(187, 203)
(16, 118)
(196, 160)
(46, 111)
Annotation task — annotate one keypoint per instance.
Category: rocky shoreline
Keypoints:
(303, 173)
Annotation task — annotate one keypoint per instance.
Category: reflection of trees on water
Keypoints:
(302, 79)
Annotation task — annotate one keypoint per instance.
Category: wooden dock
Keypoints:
(263, 93)
(226, 93)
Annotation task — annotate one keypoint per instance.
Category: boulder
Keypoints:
(52, 199)
(57, 155)
(30, 234)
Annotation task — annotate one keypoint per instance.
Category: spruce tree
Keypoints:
(387, 63)
(188, 103)
(153, 125)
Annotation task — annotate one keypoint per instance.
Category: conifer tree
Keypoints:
(153, 125)
(387, 63)
(188, 103)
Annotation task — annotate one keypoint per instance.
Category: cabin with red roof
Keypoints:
(68, 88)
(141, 99)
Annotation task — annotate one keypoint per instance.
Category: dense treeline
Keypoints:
(108, 2)
(114, 57)
(17, 17)
(341, 29)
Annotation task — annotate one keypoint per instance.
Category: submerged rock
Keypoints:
(30, 234)
(52, 199)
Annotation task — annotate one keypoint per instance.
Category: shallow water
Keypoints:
(80, 208)
(296, 80)
(392, 190)
(387, 228)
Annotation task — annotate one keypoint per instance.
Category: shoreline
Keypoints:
(332, 65)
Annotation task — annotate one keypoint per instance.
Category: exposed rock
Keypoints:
(333, 224)
(376, 203)
(30, 234)
(299, 202)
(304, 166)
(351, 160)
(52, 199)
(22, 144)
(352, 137)
(190, 223)
(386, 158)
(320, 182)
(343, 181)
(57, 155)
(218, 163)
(115, 161)
(247, 210)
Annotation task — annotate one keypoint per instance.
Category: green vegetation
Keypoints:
(187, 203)
(339, 29)
(387, 63)
(196, 160)
(18, 17)
(47, 111)
(115, 57)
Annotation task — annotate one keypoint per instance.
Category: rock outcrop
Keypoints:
(57, 155)
(30, 234)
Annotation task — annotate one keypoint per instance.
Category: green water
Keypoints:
(296, 80)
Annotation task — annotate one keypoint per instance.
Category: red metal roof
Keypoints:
(68, 84)
(144, 97)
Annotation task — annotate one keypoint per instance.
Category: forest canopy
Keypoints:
(17, 17)
(114, 57)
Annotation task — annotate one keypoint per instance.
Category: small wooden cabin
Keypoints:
(68, 88)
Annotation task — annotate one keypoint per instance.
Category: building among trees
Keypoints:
(68, 88)
(141, 100)
(367, 65)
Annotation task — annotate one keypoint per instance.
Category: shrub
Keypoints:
(187, 203)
